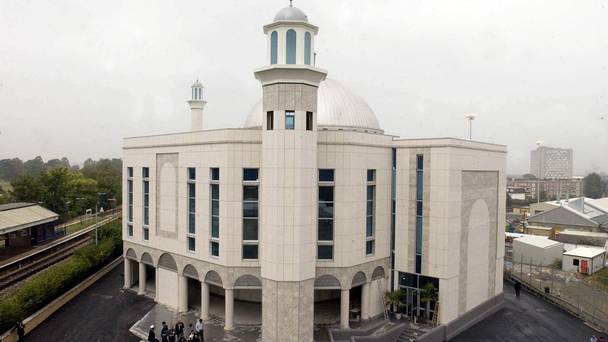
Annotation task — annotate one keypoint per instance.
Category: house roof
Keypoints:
(586, 252)
(562, 216)
(17, 216)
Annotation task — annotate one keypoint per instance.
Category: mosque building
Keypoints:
(310, 212)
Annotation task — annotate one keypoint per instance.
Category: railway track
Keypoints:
(21, 268)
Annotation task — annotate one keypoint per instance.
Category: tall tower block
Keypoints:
(196, 107)
(289, 177)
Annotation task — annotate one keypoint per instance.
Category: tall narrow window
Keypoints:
(130, 201)
(270, 120)
(307, 47)
(370, 216)
(274, 41)
(290, 119)
(419, 210)
(214, 189)
(325, 218)
(191, 184)
(291, 46)
(309, 121)
(250, 214)
(146, 200)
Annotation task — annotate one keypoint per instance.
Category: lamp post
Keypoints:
(99, 194)
(470, 117)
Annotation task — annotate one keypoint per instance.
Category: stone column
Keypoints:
(344, 303)
(229, 302)
(156, 284)
(365, 301)
(182, 293)
(142, 279)
(128, 281)
(204, 301)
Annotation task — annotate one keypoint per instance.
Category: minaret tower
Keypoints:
(289, 177)
(196, 106)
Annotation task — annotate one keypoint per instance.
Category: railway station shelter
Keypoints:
(26, 224)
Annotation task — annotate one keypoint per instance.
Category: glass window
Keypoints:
(250, 193)
(419, 184)
(269, 120)
(419, 208)
(290, 120)
(326, 175)
(418, 263)
(130, 199)
(146, 204)
(250, 209)
(250, 174)
(191, 244)
(326, 193)
(326, 210)
(145, 172)
(325, 252)
(309, 121)
(250, 252)
(307, 47)
(419, 235)
(250, 229)
(146, 233)
(326, 230)
(130, 172)
(574, 262)
(419, 162)
(130, 229)
(215, 227)
(274, 41)
(369, 247)
(214, 246)
(291, 46)
(191, 173)
(215, 191)
(215, 173)
(371, 175)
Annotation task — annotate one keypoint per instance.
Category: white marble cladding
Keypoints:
(449, 158)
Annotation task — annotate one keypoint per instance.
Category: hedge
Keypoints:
(46, 286)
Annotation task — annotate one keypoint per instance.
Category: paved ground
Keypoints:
(103, 312)
(527, 319)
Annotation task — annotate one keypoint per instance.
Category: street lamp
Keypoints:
(99, 194)
(470, 117)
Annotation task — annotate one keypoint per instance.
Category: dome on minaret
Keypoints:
(291, 13)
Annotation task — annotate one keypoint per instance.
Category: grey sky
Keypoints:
(77, 76)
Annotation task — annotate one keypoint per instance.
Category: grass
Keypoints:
(600, 278)
(80, 225)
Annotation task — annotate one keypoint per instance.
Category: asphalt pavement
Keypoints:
(103, 312)
(528, 319)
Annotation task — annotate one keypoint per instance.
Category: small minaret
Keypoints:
(196, 106)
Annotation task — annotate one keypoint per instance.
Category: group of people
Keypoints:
(177, 334)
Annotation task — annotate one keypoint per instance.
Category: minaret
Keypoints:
(196, 106)
(289, 178)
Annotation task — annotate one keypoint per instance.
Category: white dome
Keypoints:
(337, 107)
(291, 13)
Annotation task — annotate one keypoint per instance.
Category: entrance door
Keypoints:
(412, 302)
(584, 267)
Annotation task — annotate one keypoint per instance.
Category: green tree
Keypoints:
(10, 169)
(429, 294)
(34, 167)
(82, 193)
(55, 193)
(53, 163)
(593, 186)
(27, 189)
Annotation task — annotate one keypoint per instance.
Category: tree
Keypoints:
(529, 176)
(82, 193)
(55, 189)
(429, 294)
(53, 163)
(593, 186)
(27, 189)
(34, 167)
(10, 169)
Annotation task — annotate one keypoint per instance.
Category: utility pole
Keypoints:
(470, 117)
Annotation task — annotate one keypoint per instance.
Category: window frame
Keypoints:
(214, 182)
(290, 125)
(250, 183)
(370, 237)
(326, 183)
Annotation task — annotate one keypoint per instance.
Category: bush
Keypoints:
(46, 286)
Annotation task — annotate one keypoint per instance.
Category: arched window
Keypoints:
(291, 47)
(307, 43)
(274, 37)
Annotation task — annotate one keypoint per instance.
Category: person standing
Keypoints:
(179, 329)
(517, 288)
(200, 327)
(151, 334)
(164, 333)
(20, 328)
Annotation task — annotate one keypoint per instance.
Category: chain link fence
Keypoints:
(569, 290)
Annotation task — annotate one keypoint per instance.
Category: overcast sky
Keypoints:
(77, 76)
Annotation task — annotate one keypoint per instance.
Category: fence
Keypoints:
(569, 290)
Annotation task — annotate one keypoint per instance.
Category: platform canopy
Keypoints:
(17, 216)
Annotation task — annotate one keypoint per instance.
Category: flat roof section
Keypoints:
(586, 252)
(538, 241)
